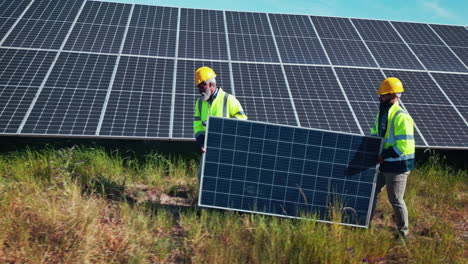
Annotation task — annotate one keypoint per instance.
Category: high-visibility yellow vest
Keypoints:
(224, 105)
(400, 137)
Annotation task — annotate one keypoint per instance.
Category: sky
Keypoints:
(451, 12)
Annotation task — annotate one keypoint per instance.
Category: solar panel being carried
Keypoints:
(289, 171)
(84, 68)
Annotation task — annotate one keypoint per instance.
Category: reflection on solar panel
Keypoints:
(288, 171)
(132, 67)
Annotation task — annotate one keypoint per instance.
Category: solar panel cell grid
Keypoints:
(292, 25)
(335, 28)
(247, 23)
(454, 85)
(301, 50)
(454, 36)
(202, 21)
(202, 45)
(376, 30)
(394, 55)
(95, 38)
(360, 84)
(14, 103)
(348, 52)
(54, 10)
(256, 48)
(38, 34)
(416, 33)
(286, 171)
(462, 54)
(271, 110)
(154, 17)
(438, 58)
(150, 41)
(105, 13)
(13, 9)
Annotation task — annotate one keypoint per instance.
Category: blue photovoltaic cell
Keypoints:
(360, 84)
(202, 45)
(14, 103)
(394, 55)
(301, 50)
(82, 71)
(452, 35)
(186, 93)
(64, 10)
(335, 27)
(269, 100)
(254, 48)
(440, 125)
(455, 86)
(462, 53)
(14, 9)
(288, 171)
(366, 113)
(376, 30)
(412, 82)
(348, 52)
(24, 67)
(63, 111)
(137, 114)
(95, 38)
(247, 23)
(38, 34)
(463, 111)
(154, 17)
(416, 33)
(438, 58)
(201, 21)
(319, 101)
(105, 13)
(150, 41)
(292, 25)
(5, 25)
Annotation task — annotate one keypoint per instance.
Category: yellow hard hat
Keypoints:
(203, 73)
(391, 85)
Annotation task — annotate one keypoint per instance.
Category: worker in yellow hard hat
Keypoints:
(396, 161)
(213, 102)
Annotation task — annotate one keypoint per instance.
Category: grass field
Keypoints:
(85, 205)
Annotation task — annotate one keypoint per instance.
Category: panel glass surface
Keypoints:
(335, 27)
(287, 171)
(206, 45)
(105, 13)
(201, 21)
(14, 9)
(416, 33)
(95, 38)
(38, 34)
(267, 109)
(348, 52)
(439, 124)
(413, 82)
(394, 55)
(63, 10)
(462, 53)
(452, 35)
(247, 23)
(5, 25)
(360, 84)
(301, 50)
(14, 103)
(292, 25)
(438, 58)
(150, 41)
(254, 48)
(154, 17)
(376, 30)
(455, 86)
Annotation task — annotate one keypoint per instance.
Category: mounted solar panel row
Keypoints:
(288, 171)
(117, 70)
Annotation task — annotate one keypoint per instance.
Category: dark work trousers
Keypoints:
(396, 185)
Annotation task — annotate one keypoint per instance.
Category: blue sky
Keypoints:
(453, 12)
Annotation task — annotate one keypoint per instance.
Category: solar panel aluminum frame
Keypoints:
(374, 181)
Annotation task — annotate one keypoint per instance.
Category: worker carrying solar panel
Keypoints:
(213, 102)
(395, 125)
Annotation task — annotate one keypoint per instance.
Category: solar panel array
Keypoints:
(78, 68)
(289, 171)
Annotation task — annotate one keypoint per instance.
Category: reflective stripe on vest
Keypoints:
(405, 157)
(225, 108)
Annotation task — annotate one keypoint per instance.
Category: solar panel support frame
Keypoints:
(174, 78)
